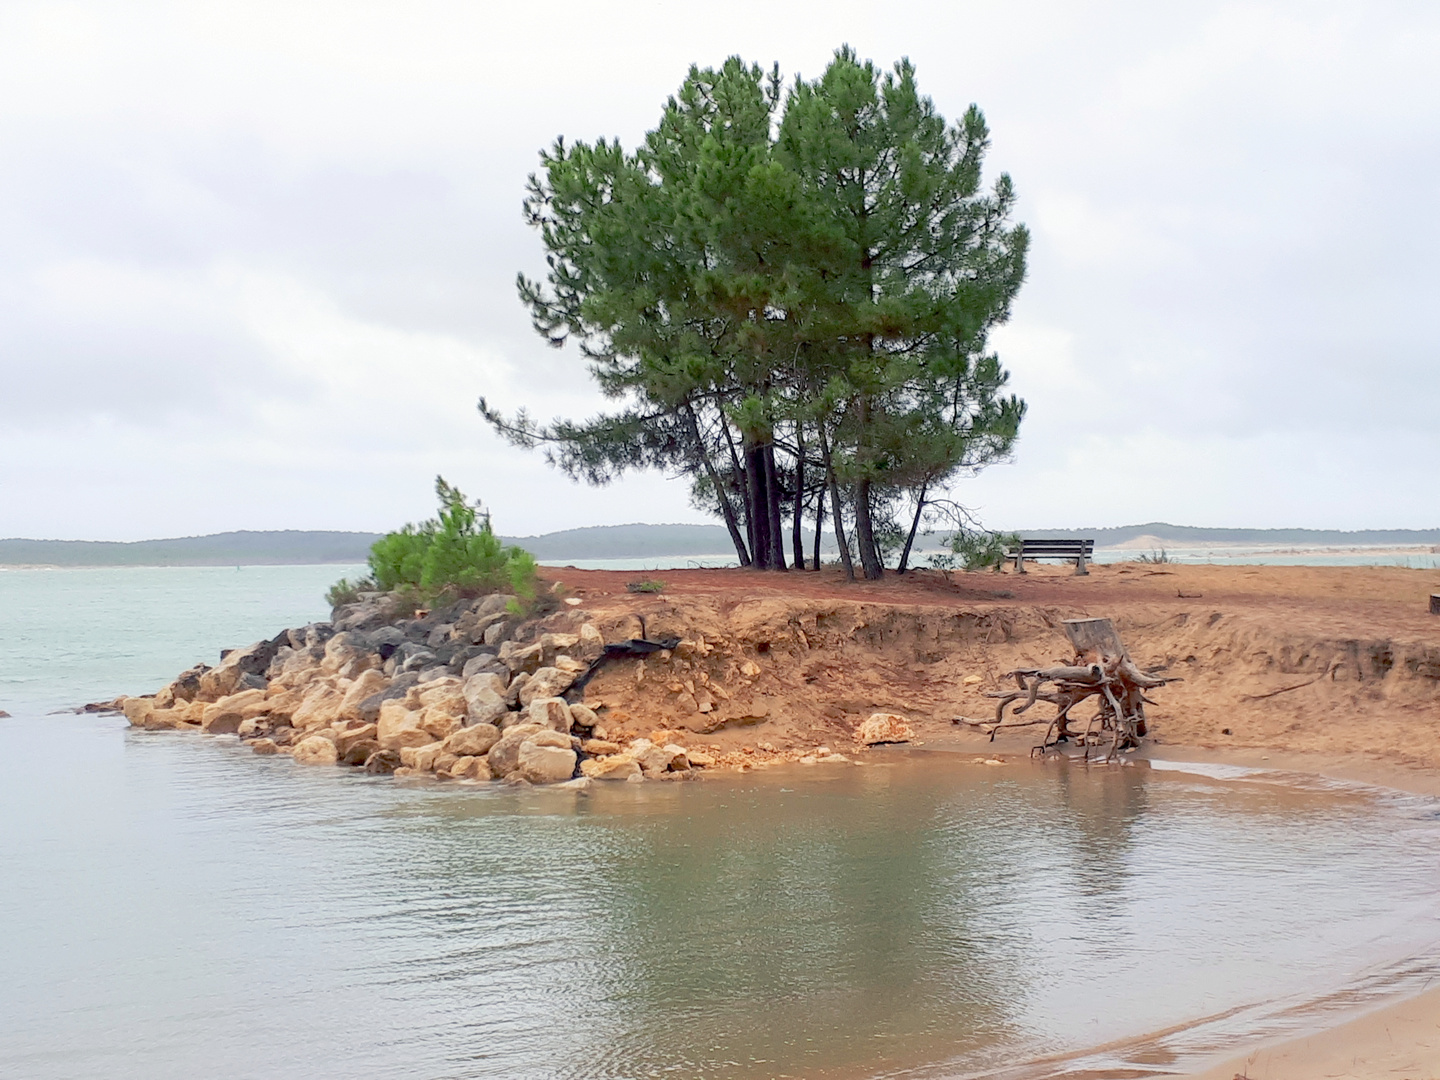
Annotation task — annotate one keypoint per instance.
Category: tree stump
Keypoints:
(1102, 669)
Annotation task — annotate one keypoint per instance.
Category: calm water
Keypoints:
(72, 636)
(176, 907)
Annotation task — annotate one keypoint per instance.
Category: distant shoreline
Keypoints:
(637, 542)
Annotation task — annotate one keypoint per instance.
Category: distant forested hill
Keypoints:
(290, 547)
(639, 541)
(293, 547)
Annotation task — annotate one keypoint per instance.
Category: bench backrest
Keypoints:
(1057, 547)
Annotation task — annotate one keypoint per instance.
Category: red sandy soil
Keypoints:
(1334, 664)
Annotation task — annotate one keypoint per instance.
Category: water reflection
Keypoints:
(181, 908)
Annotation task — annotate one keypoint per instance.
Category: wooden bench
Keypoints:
(1080, 550)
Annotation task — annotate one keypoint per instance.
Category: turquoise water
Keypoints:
(77, 635)
(177, 907)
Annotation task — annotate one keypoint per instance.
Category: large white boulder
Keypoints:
(545, 764)
(316, 750)
(883, 728)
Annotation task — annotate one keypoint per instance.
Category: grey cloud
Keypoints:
(1234, 213)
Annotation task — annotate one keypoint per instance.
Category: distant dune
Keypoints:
(1155, 533)
(292, 547)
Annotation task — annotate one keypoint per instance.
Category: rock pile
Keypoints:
(470, 692)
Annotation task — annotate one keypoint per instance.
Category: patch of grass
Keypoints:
(1161, 556)
(645, 585)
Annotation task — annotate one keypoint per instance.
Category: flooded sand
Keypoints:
(178, 907)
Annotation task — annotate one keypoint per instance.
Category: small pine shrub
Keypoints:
(981, 550)
(647, 585)
(455, 554)
(346, 591)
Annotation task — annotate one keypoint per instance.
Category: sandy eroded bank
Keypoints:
(1336, 666)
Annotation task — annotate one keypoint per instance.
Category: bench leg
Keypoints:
(1020, 564)
(1081, 569)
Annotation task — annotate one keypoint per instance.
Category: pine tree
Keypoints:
(821, 284)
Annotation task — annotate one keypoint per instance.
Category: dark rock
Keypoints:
(307, 637)
(489, 605)
(317, 634)
(387, 635)
(386, 640)
(435, 671)
(369, 709)
(360, 752)
(187, 683)
(491, 666)
(251, 682)
(255, 659)
(405, 650)
(382, 762)
(373, 610)
(418, 661)
(449, 613)
(446, 652)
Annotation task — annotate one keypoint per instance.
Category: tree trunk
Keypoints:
(727, 511)
(797, 531)
(772, 508)
(865, 534)
(835, 514)
(819, 521)
(742, 477)
(759, 506)
(914, 525)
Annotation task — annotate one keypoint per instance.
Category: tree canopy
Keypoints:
(789, 296)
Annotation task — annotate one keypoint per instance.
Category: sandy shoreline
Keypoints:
(1396, 1041)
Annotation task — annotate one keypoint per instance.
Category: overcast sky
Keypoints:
(257, 260)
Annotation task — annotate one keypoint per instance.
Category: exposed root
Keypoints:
(1102, 670)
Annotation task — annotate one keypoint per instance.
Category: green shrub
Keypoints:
(981, 550)
(346, 591)
(646, 585)
(455, 554)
